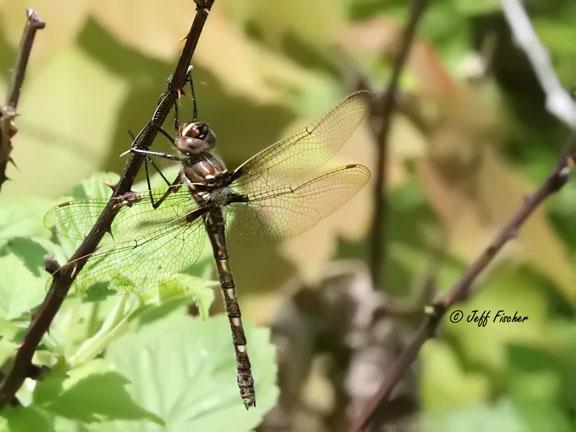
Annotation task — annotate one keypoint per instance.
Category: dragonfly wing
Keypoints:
(74, 219)
(293, 158)
(287, 211)
(155, 253)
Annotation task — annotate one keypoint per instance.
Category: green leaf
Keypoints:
(183, 370)
(70, 234)
(75, 323)
(24, 420)
(184, 285)
(20, 289)
(7, 349)
(22, 218)
(50, 387)
(30, 252)
(96, 187)
(501, 416)
(445, 385)
(88, 394)
(114, 323)
(98, 395)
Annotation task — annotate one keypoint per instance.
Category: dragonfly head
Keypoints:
(195, 138)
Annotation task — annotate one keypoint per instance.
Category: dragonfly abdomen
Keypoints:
(214, 221)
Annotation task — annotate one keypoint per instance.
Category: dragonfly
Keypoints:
(276, 194)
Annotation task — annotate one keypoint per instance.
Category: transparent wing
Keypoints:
(295, 157)
(74, 219)
(146, 244)
(287, 211)
(157, 251)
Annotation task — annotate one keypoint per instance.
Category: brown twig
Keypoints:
(8, 111)
(463, 287)
(63, 280)
(382, 118)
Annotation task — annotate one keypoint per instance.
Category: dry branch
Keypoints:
(561, 105)
(462, 289)
(382, 118)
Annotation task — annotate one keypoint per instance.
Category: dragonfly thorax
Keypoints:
(221, 196)
(195, 138)
(204, 168)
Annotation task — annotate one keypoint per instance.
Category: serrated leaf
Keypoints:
(182, 369)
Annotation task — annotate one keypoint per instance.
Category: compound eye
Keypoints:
(192, 130)
(195, 138)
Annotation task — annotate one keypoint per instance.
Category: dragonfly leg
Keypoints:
(169, 137)
(174, 186)
(192, 93)
(155, 154)
(176, 115)
(159, 171)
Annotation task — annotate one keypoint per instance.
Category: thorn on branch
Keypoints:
(50, 264)
(36, 372)
(111, 185)
(8, 111)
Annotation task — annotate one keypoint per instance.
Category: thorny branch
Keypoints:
(559, 104)
(65, 277)
(382, 118)
(8, 111)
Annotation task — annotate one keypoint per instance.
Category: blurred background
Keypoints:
(469, 140)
